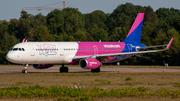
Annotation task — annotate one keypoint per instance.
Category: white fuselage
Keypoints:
(43, 52)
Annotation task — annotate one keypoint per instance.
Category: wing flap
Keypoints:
(138, 48)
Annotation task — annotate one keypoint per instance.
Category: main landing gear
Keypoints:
(25, 69)
(97, 70)
(63, 69)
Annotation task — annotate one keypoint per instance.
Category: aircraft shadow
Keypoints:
(68, 72)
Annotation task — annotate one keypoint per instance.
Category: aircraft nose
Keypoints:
(12, 57)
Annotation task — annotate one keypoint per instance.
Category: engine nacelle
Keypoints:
(42, 66)
(89, 63)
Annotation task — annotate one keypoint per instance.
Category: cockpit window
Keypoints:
(15, 49)
(11, 49)
(23, 49)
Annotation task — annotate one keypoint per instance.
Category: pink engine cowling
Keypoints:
(42, 66)
(89, 63)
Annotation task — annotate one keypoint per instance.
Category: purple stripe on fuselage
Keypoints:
(94, 48)
(137, 21)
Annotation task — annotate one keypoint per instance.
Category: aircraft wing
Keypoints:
(138, 48)
(157, 45)
(128, 53)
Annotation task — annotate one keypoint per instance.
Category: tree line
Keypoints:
(71, 25)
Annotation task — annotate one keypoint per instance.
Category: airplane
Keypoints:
(89, 55)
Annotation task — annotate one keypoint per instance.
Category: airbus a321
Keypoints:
(89, 55)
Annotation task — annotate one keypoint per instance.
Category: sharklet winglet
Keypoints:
(170, 42)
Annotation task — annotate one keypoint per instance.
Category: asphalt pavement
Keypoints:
(76, 69)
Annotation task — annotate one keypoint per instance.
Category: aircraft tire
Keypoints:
(24, 71)
(97, 70)
(63, 69)
(66, 69)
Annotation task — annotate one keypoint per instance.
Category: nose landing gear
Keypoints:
(25, 69)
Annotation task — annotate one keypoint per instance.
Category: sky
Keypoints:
(10, 9)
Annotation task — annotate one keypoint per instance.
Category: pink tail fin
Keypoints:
(24, 40)
(134, 34)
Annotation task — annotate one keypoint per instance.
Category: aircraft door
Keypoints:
(61, 50)
(129, 47)
(32, 51)
(95, 50)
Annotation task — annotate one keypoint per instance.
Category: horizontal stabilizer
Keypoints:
(119, 58)
(137, 55)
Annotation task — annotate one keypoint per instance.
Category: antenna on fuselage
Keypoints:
(100, 40)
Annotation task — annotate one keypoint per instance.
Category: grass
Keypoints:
(176, 84)
(90, 80)
(128, 79)
(100, 80)
(66, 93)
(103, 82)
(97, 85)
(20, 83)
(114, 66)
(162, 84)
(131, 83)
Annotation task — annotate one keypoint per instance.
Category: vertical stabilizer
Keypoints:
(134, 35)
(24, 40)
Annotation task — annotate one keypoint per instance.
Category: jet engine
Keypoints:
(89, 63)
(42, 66)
